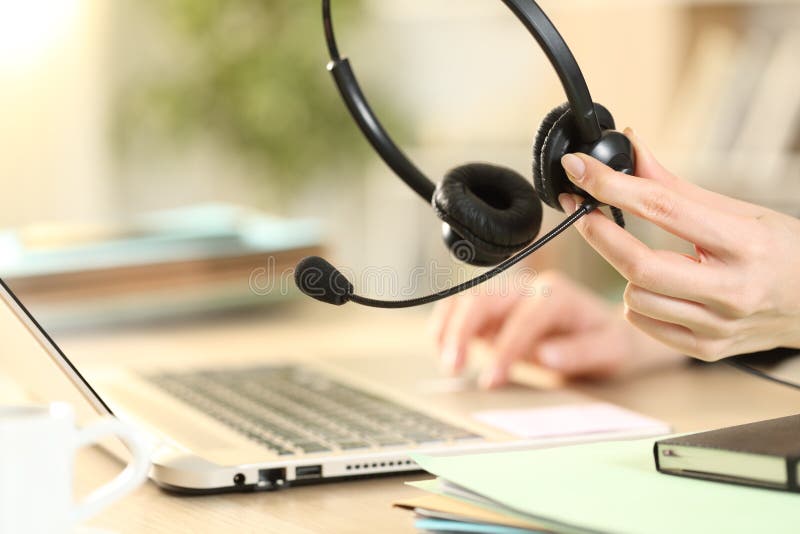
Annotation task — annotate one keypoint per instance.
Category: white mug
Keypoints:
(37, 456)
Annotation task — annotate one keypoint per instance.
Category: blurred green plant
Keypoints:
(249, 73)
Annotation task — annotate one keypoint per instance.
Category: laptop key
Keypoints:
(422, 437)
(389, 441)
(464, 435)
(309, 448)
(350, 445)
(267, 443)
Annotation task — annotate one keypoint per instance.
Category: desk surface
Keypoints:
(687, 396)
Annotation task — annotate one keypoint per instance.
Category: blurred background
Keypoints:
(161, 151)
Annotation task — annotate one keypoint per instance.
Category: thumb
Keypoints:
(594, 353)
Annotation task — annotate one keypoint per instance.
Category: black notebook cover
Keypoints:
(778, 438)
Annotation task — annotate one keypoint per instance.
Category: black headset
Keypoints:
(493, 208)
(491, 215)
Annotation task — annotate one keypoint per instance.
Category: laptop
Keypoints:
(272, 423)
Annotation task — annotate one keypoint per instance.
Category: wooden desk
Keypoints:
(689, 397)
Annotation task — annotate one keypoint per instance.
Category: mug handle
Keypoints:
(125, 482)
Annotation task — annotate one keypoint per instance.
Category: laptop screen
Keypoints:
(33, 359)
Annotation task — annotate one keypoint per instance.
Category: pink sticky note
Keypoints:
(566, 420)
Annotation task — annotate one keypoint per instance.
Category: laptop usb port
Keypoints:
(308, 471)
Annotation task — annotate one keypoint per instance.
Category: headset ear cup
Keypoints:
(561, 139)
(538, 142)
(492, 208)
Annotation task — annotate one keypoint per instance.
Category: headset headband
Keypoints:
(550, 41)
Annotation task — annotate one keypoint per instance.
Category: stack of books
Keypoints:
(187, 260)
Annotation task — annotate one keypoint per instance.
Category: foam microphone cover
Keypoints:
(320, 280)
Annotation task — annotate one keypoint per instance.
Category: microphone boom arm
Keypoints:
(584, 209)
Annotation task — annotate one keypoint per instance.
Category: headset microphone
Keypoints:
(318, 279)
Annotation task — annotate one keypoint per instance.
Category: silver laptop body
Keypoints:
(272, 424)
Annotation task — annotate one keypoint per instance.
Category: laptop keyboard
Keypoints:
(291, 410)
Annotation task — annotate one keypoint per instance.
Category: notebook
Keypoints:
(764, 454)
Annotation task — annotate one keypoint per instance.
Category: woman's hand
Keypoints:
(739, 292)
(549, 320)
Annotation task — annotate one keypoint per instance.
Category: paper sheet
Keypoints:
(566, 420)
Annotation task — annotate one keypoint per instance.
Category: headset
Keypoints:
(490, 214)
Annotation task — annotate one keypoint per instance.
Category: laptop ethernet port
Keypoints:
(305, 472)
(271, 478)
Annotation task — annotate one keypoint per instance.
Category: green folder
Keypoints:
(612, 487)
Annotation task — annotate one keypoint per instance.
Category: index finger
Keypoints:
(684, 217)
(440, 316)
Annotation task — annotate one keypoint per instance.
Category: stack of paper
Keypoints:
(441, 513)
(601, 487)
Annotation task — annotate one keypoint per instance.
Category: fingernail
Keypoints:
(551, 357)
(574, 166)
(567, 203)
(491, 379)
(450, 359)
(630, 132)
